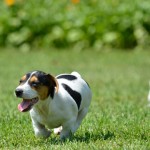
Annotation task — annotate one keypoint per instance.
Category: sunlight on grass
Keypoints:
(118, 117)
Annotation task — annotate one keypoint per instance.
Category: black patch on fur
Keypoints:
(51, 92)
(41, 76)
(67, 76)
(74, 94)
(28, 75)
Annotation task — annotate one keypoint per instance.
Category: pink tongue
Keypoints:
(24, 105)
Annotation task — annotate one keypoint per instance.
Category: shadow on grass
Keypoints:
(93, 137)
(87, 137)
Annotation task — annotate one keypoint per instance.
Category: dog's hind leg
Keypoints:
(82, 113)
(72, 125)
(68, 128)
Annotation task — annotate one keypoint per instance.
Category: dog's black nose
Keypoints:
(19, 92)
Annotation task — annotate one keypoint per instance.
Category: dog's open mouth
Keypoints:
(27, 104)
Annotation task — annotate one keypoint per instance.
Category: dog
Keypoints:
(58, 103)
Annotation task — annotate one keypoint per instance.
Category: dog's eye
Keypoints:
(20, 81)
(35, 84)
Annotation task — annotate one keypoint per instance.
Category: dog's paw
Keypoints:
(43, 134)
(58, 130)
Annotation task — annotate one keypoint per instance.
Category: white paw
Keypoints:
(58, 130)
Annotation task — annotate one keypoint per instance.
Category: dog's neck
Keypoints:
(42, 107)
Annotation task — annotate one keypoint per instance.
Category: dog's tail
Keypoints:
(76, 74)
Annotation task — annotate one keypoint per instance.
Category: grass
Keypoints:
(118, 117)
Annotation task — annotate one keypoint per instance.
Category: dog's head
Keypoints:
(35, 86)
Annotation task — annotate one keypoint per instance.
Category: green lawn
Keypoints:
(118, 117)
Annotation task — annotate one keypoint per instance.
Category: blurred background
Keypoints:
(79, 24)
(106, 41)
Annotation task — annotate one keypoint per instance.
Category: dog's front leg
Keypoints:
(40, 130)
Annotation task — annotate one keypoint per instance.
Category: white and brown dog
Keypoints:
(58, 103)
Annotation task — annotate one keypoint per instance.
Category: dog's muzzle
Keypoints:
(26, 104)
(19, 92)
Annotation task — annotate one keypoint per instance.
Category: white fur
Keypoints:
(60, 113)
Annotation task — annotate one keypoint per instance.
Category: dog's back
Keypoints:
(77, 88)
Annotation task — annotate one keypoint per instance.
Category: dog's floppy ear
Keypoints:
(53, 81)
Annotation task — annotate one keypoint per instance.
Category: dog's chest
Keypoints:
(49, 119)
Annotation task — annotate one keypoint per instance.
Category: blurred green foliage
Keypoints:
(62, 24)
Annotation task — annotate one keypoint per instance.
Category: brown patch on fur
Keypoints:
(23, 79)
(42, 91)
(55, 82)
(33, 79)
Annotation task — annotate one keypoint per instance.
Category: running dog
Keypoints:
(58, 103)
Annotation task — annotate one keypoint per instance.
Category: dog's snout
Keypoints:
(19, 92)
